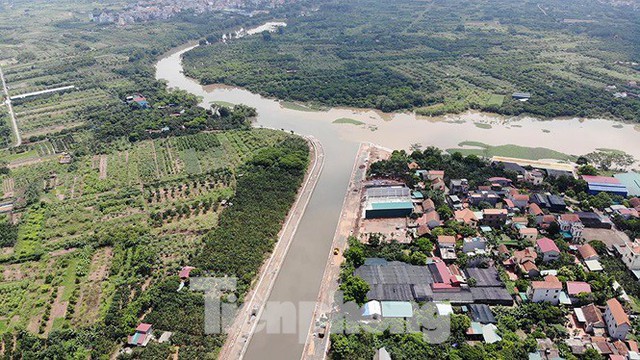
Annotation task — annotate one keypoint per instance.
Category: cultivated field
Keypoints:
(61, 271)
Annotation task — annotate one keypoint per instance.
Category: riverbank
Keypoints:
(316, 346)
(301, 273)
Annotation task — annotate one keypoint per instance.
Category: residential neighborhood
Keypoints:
(483, 248)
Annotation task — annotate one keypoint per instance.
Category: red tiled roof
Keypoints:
(600, 179)
(546, 245)
(619, 315)
(635, 202)
(436, 172)
(593, 315)
(521, 197)
(509, 203)
(548, 219)
(586, 251)
(550, 282)
(184, 273)
(577, 287)
(465, 215)
(570, 217)
(529, 265)
(495, 211)
(446, 239)
(528, 231)
(534, 209)
(143, 327)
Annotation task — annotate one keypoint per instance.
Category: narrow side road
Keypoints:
(14, 122)
(241, 330)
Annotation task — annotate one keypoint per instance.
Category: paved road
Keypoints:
(316, 347)
(14, 122)
(240, 332)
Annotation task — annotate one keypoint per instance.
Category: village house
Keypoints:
(476, 245)
(459, 187)
(618, 324)
(571, 224)
(478, 197)
(545, 221)
(534, 177)
(545, 291)
(630, 254)
(500, 182)
(548, 249)
(635, 203)
(591, 317)
(438, 185)
(494, 217)
(535, 210)
(454, 202)
(525, 260)
(587, 252)
(574, 288)
(447, 247)
(142, 335)
(433, 175)
(529, 234)
(466, 217)
(520, 201)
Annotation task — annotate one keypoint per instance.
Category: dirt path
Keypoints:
(172, 162)
(103, 167)
(155, 159)
(14, 121)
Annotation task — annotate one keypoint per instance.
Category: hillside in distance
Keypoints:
(576, 58)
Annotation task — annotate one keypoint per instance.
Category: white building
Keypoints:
(474, 245)
(535, 177)
(571, 223)
(618, 323)
(545, 291)
(630, 253)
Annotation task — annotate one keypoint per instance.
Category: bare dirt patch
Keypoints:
(103, 167)
(13, 273)
(608, 237)
(58, 309)
(100, 264)
(62, 252)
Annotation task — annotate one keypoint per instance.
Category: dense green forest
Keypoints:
(248, 230)
(442, 57)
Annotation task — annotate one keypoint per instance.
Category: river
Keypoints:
(300, 275)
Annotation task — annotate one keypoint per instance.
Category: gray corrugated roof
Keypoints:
(395, 191)
(390, 292)
(485, 277)
(482, 313)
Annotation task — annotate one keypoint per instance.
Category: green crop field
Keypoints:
(171, 187)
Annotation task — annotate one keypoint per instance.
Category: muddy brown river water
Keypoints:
(300, 275)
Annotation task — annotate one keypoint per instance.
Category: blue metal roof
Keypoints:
(397, 309)
(391, 205)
